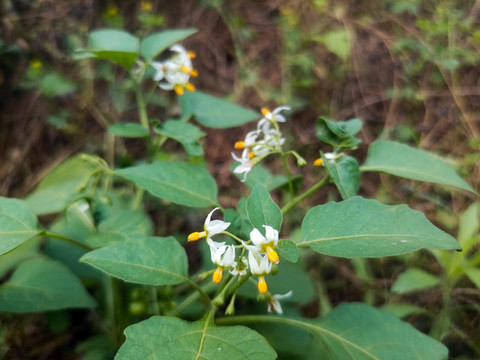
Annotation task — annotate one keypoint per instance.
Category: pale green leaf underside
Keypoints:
(17, 224)
(53, 192)
(402, 160)
(41, 284)
(215, 112)
(345, 174)
(160, 338)
(179, 182)
(151, 260)
(366, 228)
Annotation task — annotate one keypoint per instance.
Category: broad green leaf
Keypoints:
(358, 227)
(21, 253)
(414, 280)
(151, 261)
(175, 339)
(402, 160)
(336, 42)
(259, 175)
(118, 46)
(179, 182)
(214, 112)
(54, 84)
(121, 226)
(287, 250)
(262, 210)
(41, 284)
(54, 191)
(186, 134)
(345, 174)
(130, 130)
(355, 331)
(156, 43)
(17, 224)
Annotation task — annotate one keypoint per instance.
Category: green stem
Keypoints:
(232, 236)
(238, 284)
(190, 299)
(65, 238)
(115, 310)
(219, 300)
(197, 287)
(291, 204)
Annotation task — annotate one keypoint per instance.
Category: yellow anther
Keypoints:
(36, 63)
(272, 255)
(251, 155)
(194, 73)
(265, 111)
(191, 54)
(178, 89)
(185, 69)
(318, 162)
(190, 87)
(197, 235)
(217, 275)
(239, 145)
(262, 284)
(147, 5)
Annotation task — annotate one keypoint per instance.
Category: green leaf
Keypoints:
(402, 160)
(184, 133)
(345, 174)
(17, 224)
(118, 46)
(179, 182)
(54, 191)
(336, 42)
(287, 250)
(262, 210)
(401, 310)
(366, 228)
(41, 284)
(414, 280)
(156, 43)
(259, 175)
(474, 275)
(213, 112)
(54, 84)
(151, 261)
(175, 339)
(339, 134)
(130, 130)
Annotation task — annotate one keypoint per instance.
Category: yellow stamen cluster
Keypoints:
(197, 235)
(265, 111)
(191, 54)
(239, 145)
(262, 284)
(251, 155)
(272, 255)
(178, 89)
(217, 275)
(318, 162)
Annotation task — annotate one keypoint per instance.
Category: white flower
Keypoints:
(176, 71)
(274, 303)
(246, 163)
(211, 228)
(270, 116)
(259, 266)
(265, 244)
(221, 255)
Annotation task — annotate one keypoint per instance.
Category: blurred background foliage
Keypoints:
(407, 68)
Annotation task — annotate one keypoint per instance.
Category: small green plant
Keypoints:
(140, 282)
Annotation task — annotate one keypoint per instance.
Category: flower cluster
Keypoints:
(258, 143)
(175, 72)
(261, 253)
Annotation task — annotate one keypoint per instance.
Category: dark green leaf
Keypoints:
(214, 112)
(41, 284)
(402, 160)
(345, 174)
(151, 261)
(179, 182)
(130, 130)
(287, 250)
(175, 339)
(17, 224)
(262, 210)
(366, 228)
(118, 46)
(186, 134)
(156, 43)
(259, 175)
